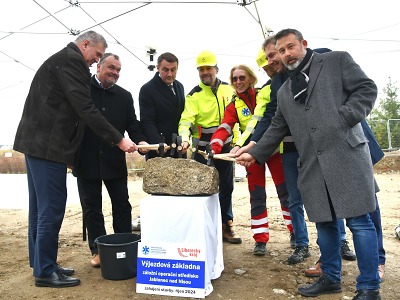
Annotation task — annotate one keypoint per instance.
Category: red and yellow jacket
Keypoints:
(245, 109)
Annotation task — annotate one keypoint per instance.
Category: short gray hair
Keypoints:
(105, 55)
(269, 40)
(93, 37)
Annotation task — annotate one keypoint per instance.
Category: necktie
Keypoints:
(172, 88)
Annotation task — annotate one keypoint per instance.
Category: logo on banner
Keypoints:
(186, 252)
(145, 250)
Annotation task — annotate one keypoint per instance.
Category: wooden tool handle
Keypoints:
(152, 146)
(225, 155)
(224, 158)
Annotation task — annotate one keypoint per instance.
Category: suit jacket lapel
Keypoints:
(166, 90)
(180, 98)
(316, 66)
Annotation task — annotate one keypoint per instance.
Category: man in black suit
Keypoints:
(161, 102)
(99, 162)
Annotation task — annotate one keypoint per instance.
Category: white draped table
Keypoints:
(186, 219)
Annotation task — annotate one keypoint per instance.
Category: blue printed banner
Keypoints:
(171, 269)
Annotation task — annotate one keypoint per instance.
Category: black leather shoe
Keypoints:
(367, 295)
(65, 271)
(322, 286)
(346, 253)
(56, 280)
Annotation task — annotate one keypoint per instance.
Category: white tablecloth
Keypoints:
(186, 219)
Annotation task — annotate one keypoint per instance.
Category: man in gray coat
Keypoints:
(322, 104)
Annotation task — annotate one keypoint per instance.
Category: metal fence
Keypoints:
(387, 132)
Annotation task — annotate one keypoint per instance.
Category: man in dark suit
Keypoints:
(161, 102)
(49, 134)
(99, 162)
(322, 104)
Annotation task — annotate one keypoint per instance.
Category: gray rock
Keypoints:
(178, 176)
(239, 271)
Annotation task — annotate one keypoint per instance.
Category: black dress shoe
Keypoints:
(65, 271)
(322, 286)
(57, 280)
(367, 295)
(346, 253)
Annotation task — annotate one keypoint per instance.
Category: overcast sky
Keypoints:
(368, 30)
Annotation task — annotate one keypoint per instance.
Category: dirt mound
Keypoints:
(389, 163)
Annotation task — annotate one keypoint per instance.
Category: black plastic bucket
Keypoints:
(118, 255)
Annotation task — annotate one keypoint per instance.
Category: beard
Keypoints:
(207, 80)
(109, 82)
(298, 62)
(295, 65)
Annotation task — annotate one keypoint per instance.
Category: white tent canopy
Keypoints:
(32, 30)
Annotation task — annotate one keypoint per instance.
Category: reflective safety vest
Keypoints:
(204, 112)
(248, 117)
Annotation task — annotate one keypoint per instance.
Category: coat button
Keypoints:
(319, 152)
(312, 129)
(103, 108)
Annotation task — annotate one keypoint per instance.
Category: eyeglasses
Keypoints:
(241, 78)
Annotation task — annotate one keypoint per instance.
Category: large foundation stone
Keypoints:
(178, 176)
